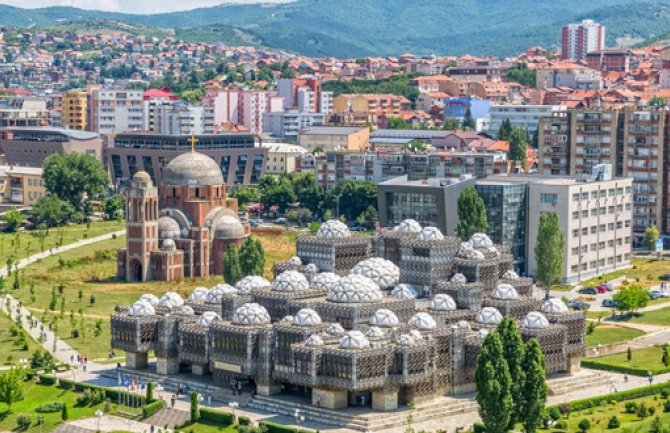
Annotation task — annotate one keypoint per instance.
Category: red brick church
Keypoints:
(181, 229)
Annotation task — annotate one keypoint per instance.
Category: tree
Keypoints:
(505, 129)
(631, 298)
(112, 205)
(518, 144)
(13, 219)
(513, 352)
(150, 393)
(650, 237)
(52, 211)
(549, 248)
(72, 176)
(11, 386)
(252, 257)
(232, 272)
(519, 73)
(666, 355)
(451, 124)
(471, 214)
(195, 414)
(414, 146)
(493, 386)
(533, 388)
(279, 194)
(396, 123)
(468, 121)
(246, 194)
(584, 425)
(64, 415)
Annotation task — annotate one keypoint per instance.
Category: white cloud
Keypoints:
(130, 6)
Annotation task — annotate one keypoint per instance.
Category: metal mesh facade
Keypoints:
(337, 255)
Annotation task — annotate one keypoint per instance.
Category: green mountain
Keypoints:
(351, 28)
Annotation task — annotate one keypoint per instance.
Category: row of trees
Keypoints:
(511, 380)
(249, 260)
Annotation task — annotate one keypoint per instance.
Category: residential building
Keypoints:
(373, 104)
(113, 111)
(570, 75)
(21, 185)
(580, 39)
(520, 116)
(74, 106)
(286, 125)
(240, 156)
(334, 138)
(610, 60)
(29, 146)
(181, 118)
(305, 95)
(428, 100)
(282, 157)
(243, 107)
(25, 112)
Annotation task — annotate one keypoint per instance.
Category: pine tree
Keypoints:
(195, 414)
(64, 415)
(533, 389)
(261, 256)
(549, 250)
(513, 352)
(252, 257)
(493, 386)
(469, 123)
(505, 129)
(232, 272)
(518, 144)
(471, 214)
(150, 393)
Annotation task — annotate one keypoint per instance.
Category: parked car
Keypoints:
(609, 303)
(254, 223)
(578, 305)
(655, 295)
(664, 277)
(588, 291)
(608, 286)
(280, 221)
(602, 289)
(662, 293)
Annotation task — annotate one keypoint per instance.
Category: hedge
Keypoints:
(631, 394)
(111, 393)
(152, 408)
(47, 379)
(217, 417)
(244, 420)
(279, 428)
(597, 365)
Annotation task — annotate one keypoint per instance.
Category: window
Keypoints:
(610, 227)
(585, 196)
(575, 197)
(575, 215)
(575, 233)
(575, 251)
(602, 228)
(585, 213)
(551, 199)
(594, 229)
(594, 195)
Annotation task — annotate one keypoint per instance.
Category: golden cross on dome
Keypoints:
(193, 140)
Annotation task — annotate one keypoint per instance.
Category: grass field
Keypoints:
(609, 334)
(34, 395)
(642, 360)
(10, 351)
(660, 317)
(92, 270)
(642, 271)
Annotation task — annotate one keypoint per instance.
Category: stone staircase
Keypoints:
(169, 417)
(564, 385)
(369, 420)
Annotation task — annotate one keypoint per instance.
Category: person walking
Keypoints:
(172, 401)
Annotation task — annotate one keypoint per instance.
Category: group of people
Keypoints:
(236, 386)
(82, 361)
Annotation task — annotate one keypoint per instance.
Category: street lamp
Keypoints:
(98, 414)
(233, 405)
(159, 390)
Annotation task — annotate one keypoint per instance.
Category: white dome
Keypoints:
(311, 268)
(150, 298)
(459, 278)
(355, 289)
(207, 318)
(423, 321)
(168, 245)
(406, 340)
(442, 302)
(482, 333)
(295, 261)
(374, 332)
(384, 318)
(141, 308)
(431, 234)
(505, 292)
(404, 291)
(215, 294)
(408, 226)
(354, 340)
(383, 272)
(251, 314)
(168, 228)
(481, 240)
(290, 281)
(171, 300)
(554, 306)
(511, 275)
(332, 229)
(252, 282)
(463, 324)
(307, 317)
(474, 255)
(535, 320)
(314, 340)
(335, 329)
(325, 280)
(185, 310)
(416, 335)
(198, 294)
(489, 316)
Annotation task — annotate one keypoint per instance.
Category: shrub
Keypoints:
(65, 415)
(631, 407)
(152, 408)
(24, 421)
(276, 428)
(651, 411)
(666, 406)
(564, 409)
(217, 417)
(554, 413)
(642, 411)
(244, 420)
(75, 333)
(249, 429)
(561, 425)
(613, 422)
(54, 406)
(47, 379)
(664, 394)
(584, 425)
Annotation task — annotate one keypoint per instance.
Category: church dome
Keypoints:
(228, 227)
(193, 169)
(168, 228)
(142, 177)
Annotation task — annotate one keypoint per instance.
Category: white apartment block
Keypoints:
(282, 157)
(183, 119)
(581, 39)
(287, 125)
(113, 111)
(521, 116)
(243, 107)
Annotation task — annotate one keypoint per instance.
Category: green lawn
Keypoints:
(660, 317)
(10, 350)
(34, 395)
(642, 360)
(642, 271)
(205, 427)
(608, 334)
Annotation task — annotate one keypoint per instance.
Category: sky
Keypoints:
(130, 6)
